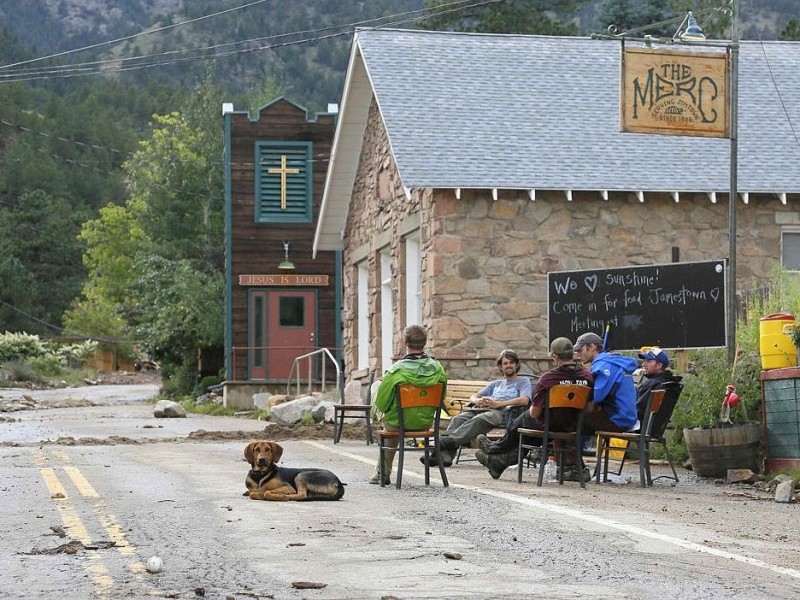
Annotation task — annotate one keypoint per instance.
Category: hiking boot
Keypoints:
(445, 456)
(376, 479)
(487, 445)
(496, 463)
(571, 473)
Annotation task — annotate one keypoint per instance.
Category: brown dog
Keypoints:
(267, 481)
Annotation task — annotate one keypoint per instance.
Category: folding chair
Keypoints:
(566, 396)
(354, 411)
(410, 396)
(638, 442)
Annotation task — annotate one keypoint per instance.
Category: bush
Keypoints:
(75, 356)
(205, 383)
(20, 346)
(20, 370)
(50, 365)
(178, 380)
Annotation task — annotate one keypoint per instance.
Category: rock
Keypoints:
(321, 410)
(293, 411)
(741, 476)
(779, 479)
(276, 399)
(168, 409)
(204, 399)
(261, 400)
(784, 492)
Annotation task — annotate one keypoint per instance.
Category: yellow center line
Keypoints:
(107, 521)
(98, 573)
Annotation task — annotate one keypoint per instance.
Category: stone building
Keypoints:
(465, 167)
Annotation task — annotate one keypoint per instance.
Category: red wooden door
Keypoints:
(282, 327)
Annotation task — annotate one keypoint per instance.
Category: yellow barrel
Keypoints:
(775, 342)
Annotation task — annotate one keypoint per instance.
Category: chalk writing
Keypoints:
(677, 305)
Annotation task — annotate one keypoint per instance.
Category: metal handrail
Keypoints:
(296, 363)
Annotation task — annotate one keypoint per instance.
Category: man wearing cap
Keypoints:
(614, 396)
(499, 455)
(656, 373)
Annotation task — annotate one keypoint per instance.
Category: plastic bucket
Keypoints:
(775, 342)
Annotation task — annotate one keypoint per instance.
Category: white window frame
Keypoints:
(793, 231)
(413, 281)
(387, 310)
(362, 314)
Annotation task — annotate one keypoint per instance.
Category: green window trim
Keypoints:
(279, 164)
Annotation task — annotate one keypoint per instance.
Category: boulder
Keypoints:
(261, 400)
(293, 411)
(167, 409)
(276, 399)
(784, 491)
(321, 410)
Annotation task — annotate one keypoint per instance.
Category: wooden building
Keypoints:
(280, 302)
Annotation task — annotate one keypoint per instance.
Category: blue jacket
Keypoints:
(613, 387)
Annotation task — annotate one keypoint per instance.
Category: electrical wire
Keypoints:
(94, 68)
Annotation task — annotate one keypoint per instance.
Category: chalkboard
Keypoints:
(678, 305)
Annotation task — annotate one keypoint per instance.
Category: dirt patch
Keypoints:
(72, 547)
(127, 377)
(273, 431)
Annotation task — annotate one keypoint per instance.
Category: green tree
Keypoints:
(156, 267)
(546, 17)
(40, 261)
(179, 309)
(175, 182)
(641, 16)
(791, 32)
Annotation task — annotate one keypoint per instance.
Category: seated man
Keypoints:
(496, 405)
(614, 395)
(656, 374)
(499, 455)
(416, 368)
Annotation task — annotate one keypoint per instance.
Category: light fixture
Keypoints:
(692, 33)
(286, 264)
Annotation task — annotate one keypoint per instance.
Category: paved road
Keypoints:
(182, 500)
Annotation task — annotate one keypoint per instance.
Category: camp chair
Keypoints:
(354, 411)
(565, 396)
(410, 396)
(637, 442)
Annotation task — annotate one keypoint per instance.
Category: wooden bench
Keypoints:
(459, 391)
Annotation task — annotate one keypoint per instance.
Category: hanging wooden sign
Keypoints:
(674, 92)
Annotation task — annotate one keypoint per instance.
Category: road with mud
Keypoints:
(91, 492)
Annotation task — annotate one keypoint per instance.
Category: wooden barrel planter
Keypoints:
(714, 451)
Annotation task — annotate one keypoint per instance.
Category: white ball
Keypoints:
(154, 564)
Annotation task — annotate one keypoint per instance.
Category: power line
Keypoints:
(135, 35)
(93, 68)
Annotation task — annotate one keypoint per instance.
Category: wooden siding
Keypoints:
(257, 248)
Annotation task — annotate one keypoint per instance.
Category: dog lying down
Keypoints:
(267, 481)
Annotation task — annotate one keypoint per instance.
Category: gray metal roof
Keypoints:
(535, 112)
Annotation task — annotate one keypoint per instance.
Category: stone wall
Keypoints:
(378, 218)
(489, 283)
